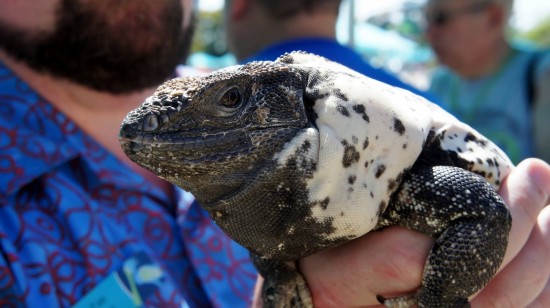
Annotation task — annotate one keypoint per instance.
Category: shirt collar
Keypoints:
(33, 134)
(36, 138)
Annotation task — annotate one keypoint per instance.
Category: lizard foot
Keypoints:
(284, 286)
(293, 293)
(411, 300)
(398, 302)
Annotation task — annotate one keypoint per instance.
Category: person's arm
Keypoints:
(390, 262)
(541, 114)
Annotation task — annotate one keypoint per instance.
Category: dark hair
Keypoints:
(287, 8)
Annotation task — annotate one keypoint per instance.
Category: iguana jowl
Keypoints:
(301, 154)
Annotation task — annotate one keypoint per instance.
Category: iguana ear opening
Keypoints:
(309, 96)
(310, 111)
(306, 64)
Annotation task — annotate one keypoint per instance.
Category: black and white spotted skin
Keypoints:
(297, 155)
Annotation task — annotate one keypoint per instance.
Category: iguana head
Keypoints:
(219, 130)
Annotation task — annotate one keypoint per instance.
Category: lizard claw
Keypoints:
(404, 301)
(292, 294)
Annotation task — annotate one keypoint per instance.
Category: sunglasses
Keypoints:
(440, 17)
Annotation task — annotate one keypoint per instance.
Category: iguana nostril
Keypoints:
(151, 123)
(127, 132)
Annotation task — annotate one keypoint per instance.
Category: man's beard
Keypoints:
(116, 49)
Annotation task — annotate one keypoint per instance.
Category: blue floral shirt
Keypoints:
(71, 214)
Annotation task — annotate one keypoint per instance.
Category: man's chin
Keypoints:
(102, 58)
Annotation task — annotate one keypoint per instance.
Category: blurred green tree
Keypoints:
(209, 33)
(540, 34)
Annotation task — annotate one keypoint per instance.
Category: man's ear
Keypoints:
(497, 15)
(238, 8)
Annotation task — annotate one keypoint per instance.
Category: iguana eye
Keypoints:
(231, 98)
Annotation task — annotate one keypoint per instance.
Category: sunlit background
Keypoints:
(388, 34)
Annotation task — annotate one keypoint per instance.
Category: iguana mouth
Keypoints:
(178, 142)
(195, 146)
(175, 148)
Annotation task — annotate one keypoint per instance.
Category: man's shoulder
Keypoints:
(543, 61)
(441, 80)
(532, 58)
(442, 73)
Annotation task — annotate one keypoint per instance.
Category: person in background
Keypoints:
(264, 30)
(485, 80)
(81, 226)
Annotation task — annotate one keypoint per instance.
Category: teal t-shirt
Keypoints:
(496, 105)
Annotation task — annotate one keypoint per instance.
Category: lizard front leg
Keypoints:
(470, 223)
(284, 286)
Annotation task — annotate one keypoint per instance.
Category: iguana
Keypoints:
(301, 154)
